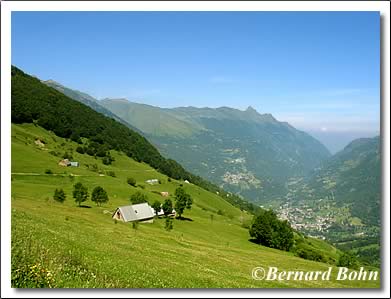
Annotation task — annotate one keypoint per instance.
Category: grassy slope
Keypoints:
(83, 247)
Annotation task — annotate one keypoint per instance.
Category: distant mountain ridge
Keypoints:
(246, 152)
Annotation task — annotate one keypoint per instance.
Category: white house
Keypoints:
(152, 181)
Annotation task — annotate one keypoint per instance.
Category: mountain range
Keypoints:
(257, 157)
(245, 152)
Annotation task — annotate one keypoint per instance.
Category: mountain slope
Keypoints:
(341, 200)
(86, 99)
(353, 176)
(34, 102)
(68, 246)
(243, 151)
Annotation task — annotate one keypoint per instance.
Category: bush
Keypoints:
(347, 260)
(131, 181)
(138, 197)
(59, 195)
(308, 253)
(80, 150)
(111, 173)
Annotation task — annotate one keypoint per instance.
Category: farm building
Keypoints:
(64, 162)
(152, 181)
(139, 212)
(161, 212)
(164, 194)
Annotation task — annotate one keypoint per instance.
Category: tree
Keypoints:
(59, 195)
(138, 197)
(99, 195)
(80, 193)
(269, 231)
(167, 206)
(156, 206)
(261, 230)
(183, 201)
(131, 181)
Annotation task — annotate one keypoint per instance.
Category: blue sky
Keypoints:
(320, 71)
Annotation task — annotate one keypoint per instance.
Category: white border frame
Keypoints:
(8, 6)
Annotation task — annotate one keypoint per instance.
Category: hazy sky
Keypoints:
(320, 71)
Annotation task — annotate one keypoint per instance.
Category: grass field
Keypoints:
(63, 245)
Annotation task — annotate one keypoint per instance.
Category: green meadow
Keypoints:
(65, 246)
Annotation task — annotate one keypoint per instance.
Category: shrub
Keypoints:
(111, 173)
(80, 150)
(131, 181)
(48, 171)
(309, 254)
(347, 260)
(59, 195)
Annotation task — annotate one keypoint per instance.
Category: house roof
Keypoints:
(136, 212)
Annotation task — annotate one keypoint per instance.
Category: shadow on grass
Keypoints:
(184, 218)
(86, 207)
(254, 241)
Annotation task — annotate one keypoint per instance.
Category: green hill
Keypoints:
(64, 245)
